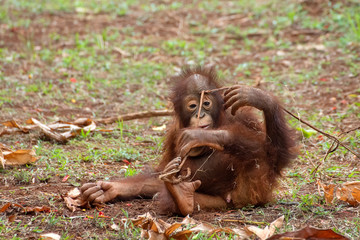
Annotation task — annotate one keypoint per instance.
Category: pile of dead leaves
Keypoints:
(157, 229)
(59, 131)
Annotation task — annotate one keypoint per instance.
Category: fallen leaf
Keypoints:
(71, 203)
(160, 128)
(59, 131)
(5, 207)
(73, 200)
(49, 132)
(14, 124)
(25, 209)
(182, 235)
(172, 228)
(12, 218)
(18, 157)
(203, 227)
(115, 227)
(2, 159)
(36, 209)
(65, 178)
(126, 161)
(156, 236)
(188, 220)
(74, 193)
(348, 192)
(73, 80)
(310, 233)
(268, 231)
(50, 236)
(328, 191)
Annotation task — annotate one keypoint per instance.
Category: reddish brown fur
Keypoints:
(250, 164)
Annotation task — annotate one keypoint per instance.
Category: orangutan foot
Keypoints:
(183, 194)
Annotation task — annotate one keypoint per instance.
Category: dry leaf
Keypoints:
(19, 157)
(71, 204)
(49, 132)
(74, 193)
(188, 220)
(354, 187)
(14, 124)
(172, 228)
(59, 131)
(12, 218)
(160, 128)
(328, 191)
(5, 207)
(153, 235)
(115, 227)
(182, 235)
(2, 159)
(268, 231)
(50, 236)
(241, 233)
(310, 233)
(36, 209)
(73, 200)
(348, 192)
(203, 227)
(25, 209)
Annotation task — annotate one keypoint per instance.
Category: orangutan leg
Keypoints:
(205, 201)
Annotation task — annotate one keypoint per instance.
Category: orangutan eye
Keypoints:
(192, 105)
(207, 104)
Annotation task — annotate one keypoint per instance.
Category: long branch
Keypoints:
(138, 115)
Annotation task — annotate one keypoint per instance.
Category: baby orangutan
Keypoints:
(217, 153)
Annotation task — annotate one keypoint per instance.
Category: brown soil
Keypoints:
(331, 92)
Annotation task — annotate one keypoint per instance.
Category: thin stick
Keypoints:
(200, 106)
(138, 115)
(330, 150)
(216, 90)
(202, 165)
(324, 133)
(349, 131)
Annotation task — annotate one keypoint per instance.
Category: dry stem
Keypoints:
(138, 115)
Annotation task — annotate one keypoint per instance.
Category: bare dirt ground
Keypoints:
(329, 94)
